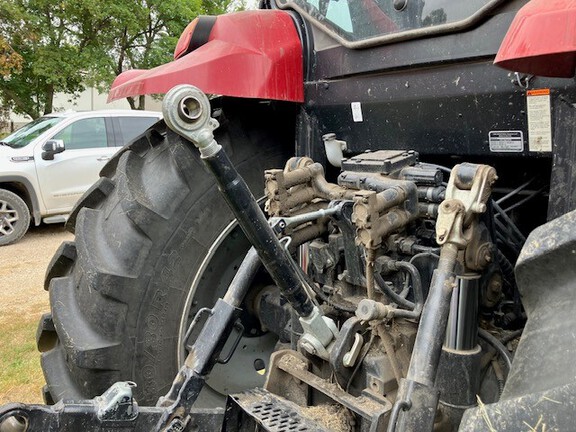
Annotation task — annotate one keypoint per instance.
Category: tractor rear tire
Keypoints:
(152, 227)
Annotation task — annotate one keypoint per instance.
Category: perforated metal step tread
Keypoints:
(273, 413)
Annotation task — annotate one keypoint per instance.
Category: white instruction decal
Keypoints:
(506, 141)
(357, 111)
(539, 122)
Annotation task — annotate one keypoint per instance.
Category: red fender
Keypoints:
(541, 40)
(251, 54)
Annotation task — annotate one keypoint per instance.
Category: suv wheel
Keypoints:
(14, 217)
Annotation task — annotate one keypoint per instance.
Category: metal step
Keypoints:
(55, 219)
(271, 413)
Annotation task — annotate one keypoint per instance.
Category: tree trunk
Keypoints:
(20, 104)
(49, 94)
(141, 102)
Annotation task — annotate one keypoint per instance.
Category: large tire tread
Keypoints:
(94, 262)
(142, 232)
(61, 262)
(91, 199)
(85, 347)
(139, 232)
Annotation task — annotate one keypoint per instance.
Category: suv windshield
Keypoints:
(24, 136)
(356, 20)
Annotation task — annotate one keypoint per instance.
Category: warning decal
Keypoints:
(539, 121)
(506, 141)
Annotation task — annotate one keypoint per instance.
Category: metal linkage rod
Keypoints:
(415, 407)
(205, 352)
(187, 112)
(468, 190)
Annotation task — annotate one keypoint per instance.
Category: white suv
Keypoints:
(46, 166)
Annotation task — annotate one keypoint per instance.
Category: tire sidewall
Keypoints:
(174, 266)
(21, 226)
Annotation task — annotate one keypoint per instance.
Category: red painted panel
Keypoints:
(253, 54)
(541, 39)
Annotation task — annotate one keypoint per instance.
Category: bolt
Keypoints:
(259, 364)
(307, 346)
(400, 5)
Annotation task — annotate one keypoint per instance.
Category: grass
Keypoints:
(21, 377)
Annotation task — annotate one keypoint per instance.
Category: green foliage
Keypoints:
(49, 46)
(40, 32)
(10, 60)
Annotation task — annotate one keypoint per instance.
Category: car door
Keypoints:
(64, 179)
(127, 128)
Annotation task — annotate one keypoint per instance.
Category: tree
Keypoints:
(53, 49)
(10, 60)
(66, 45)
(147, 38)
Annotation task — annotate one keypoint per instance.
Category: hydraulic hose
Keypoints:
(389, 348)
(414, 309)
(416, 288)
(394, 296)
(498, 346)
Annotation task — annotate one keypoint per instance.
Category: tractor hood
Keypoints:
(251, 54)
(541, 40)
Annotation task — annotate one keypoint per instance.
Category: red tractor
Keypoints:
(348, 249)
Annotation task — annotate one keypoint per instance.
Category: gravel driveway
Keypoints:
(22, 269)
